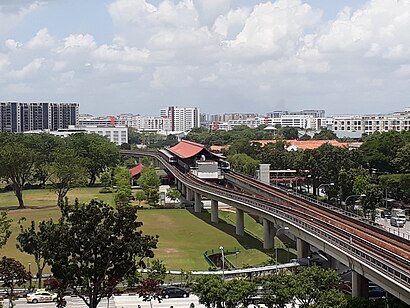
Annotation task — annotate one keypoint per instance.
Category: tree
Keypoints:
(276, 289)
(5, 225)
(277, 156)
(12, 274)
(95, 246)
(288, 133)
(35, 241)
(140, 196)
(238, 292)
(331, 298)
(66, 172)
(122, 180)
(99, 153)
(244, 163)
(149, 181)
(324, 134)
(174, 194)
(17, 162)
(105, 179)
(373, 194)
(211, 290)
(401, 161)
(309, 285)
(150, 290)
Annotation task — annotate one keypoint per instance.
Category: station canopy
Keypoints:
(188, 149)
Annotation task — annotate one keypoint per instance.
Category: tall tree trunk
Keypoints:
(19, 194)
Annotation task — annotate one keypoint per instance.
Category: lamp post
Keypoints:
(221, 248)
(353, 196)
(323, 185)
(29, 271)
(276, 246)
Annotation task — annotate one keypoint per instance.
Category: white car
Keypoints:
(41, 296)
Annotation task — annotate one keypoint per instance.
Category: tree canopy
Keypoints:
(95, 246)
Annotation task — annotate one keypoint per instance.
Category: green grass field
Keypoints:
(183, 236)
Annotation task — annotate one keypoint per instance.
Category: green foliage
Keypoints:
(35, 241)
(276, 289)
(373, 192)
(12, 274)
(66, 172)
(210, 289)
(309, 285)
(105, 179)
(244, 163)
(122, 179)
(279, 158)
(98, 153)
(157, 271)
(5, 232)
(140, 196)
(397, 186)
(174, 194)
(288, 133)
(347, 179)
(325, 134)
(17, 161)
(238, 292)
(331, 298)
(401, 162)
(95, 246)
(149, 181)
(379, 150)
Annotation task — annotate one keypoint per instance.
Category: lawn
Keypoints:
(183, 236)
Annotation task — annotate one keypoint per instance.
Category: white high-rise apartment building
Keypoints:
(182, 118)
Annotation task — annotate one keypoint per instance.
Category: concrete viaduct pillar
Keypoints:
(197, 204)
(240, 225)
(360, 285)
(183, 192)
(179, 185)
(302, 248)
(267, 234)
(188, 196)
(214, 211)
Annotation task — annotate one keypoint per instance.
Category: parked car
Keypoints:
(41, 296)
(376, 292)
(173, 292)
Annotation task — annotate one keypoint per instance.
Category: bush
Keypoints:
(105, 190)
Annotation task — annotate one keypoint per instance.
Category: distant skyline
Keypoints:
(137, 56)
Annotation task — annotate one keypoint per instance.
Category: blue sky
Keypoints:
(116, 56)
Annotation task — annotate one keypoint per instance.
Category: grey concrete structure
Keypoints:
(267, 234)
(360, 285)
(214, 211)
(197, 204)
(302, 248)
(264, 173)
(240, 224)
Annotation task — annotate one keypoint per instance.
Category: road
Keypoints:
(117, 302)
(386, 223)
(127, 302)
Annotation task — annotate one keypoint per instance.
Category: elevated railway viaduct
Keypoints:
(371, 252)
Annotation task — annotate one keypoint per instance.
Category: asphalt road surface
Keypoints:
(117, 302)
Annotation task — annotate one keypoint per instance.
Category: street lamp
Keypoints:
(353, 196)
(29, 271)
(283, 229)
(323, 185)
(221, 248)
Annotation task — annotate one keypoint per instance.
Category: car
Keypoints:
(173, 292)
(376, 292)
(41, 296)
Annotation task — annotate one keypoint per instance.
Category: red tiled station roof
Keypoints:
(136, 170)
(186, 149)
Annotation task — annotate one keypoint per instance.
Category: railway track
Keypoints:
(372, 245)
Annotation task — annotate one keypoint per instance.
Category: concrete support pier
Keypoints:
(188, 196)
(214, 211)
(303, 248)
(267, 234)
(183, 192)
(240, 225)
(179, 185)
(197, 204)
(360, 285)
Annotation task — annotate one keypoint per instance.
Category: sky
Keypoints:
(137, 56)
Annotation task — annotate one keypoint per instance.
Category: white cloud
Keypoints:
(276, 54)
(42, 39)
